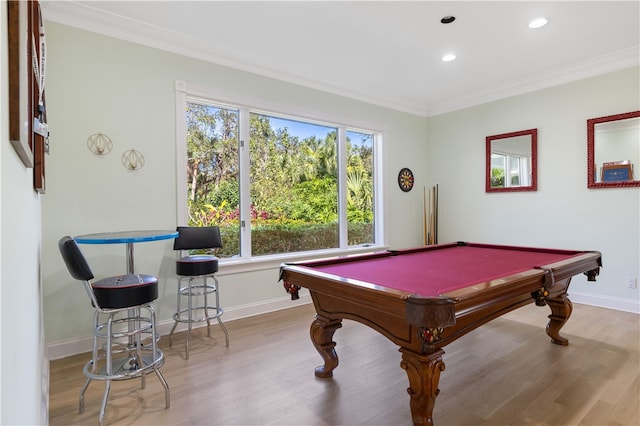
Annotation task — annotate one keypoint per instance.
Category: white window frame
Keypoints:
(247, 105)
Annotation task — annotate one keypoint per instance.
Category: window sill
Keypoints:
(236, 266)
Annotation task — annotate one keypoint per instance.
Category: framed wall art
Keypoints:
(38, 120)
(20, 76)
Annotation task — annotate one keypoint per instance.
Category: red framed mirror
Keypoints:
(613, 151)
(511, 162)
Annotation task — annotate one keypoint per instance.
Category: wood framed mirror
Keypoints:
(613, 151)
(511, 161)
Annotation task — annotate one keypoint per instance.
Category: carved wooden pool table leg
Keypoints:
(561, 309)
(424, 374)
(322, 330)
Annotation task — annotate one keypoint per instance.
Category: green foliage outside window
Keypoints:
(294, 189)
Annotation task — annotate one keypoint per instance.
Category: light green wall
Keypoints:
(563, 213)
(126, 91)
(98, 84)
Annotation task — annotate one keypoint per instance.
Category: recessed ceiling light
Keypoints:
(448, 57)
(537, 23)
(448, 19)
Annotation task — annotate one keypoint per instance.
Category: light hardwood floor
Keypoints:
(504, 373)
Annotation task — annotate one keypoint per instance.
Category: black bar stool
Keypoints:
(197, 270)
(124, 341)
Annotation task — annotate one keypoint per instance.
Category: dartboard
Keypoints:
(405, 179)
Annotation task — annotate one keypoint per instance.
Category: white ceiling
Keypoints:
(384, 52)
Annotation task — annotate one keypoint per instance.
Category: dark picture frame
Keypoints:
(37, 106)
(20, 75)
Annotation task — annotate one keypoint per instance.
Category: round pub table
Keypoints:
(126, 237)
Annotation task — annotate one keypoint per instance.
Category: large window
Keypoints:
(278, 184)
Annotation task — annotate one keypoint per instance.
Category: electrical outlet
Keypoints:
(632, 282)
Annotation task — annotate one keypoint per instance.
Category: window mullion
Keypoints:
(245, 193)
(342, 187)
(378, 199)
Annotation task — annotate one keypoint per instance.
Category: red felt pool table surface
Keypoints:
(435, 272)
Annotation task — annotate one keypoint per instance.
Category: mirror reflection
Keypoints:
(511, 161)
(614, 150)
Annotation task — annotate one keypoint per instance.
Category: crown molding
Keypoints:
(85, 17)
(615, 61)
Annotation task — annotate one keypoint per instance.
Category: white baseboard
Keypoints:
(67, 348)
(62, 349)
(615, 303)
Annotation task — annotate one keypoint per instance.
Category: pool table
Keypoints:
(425, 298)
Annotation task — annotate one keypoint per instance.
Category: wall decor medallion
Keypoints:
(99, 144)
(405, 179)
(132, 159)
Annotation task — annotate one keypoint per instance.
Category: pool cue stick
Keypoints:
(429, 218)
(433, 199)
(425, 238)
(431, 215)
(435, 226)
